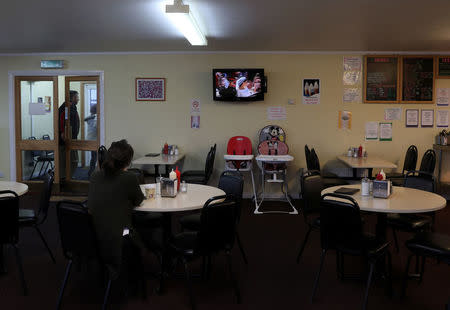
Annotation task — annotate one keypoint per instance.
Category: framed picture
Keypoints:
(150, 89)
(427, 118)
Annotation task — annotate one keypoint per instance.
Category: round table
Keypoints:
(402, 200)
(18, 188)
(193, 199)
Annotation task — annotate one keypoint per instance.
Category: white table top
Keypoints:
(18, 188)
(161, 159)
(402, 200)
(366, 162)
(238, 157)
(193, 199)
(274, 158)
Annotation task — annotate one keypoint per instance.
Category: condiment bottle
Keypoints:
(360, 152)
(166, 148)
(178, 177)
(173, 176)
(365, 186)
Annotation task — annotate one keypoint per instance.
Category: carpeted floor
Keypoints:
(272, 280)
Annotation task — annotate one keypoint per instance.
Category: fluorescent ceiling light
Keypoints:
(180, 15)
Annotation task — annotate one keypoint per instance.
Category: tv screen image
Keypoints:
(238, 84)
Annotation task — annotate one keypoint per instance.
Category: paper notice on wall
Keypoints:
(311, 91)
(36, 108)
(393, 114)
(385, 131)
(352, 77)
(352, 63)
(195, 106)
(442, 96)
(345, 120)
(412, 118)
(352, 95)
(276, 113)
(371, 132)
(441, 118)
(426, 118)
(195, 121)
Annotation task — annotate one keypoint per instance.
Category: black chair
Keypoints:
(307, 157)
(46, 158)
(328, 179)
(217, 234)
(341, 230)
(413, 222)
(101, 155)
(139, 174)
(232, 183)
(409, 164)
(9, 228)
(78, 240)
(427, 245)
(28, 217)
(311, 187)
(201, 176)
(428, 163)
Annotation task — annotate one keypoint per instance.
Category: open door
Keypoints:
(79, 123)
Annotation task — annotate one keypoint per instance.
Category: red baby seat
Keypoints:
(239, 145)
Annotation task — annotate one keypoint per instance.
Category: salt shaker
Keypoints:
(183, 187)
(365, 186)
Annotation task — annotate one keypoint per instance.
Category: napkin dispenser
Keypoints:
(168, 187)
(382, 189)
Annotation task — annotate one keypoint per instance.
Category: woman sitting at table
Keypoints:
(113, 194)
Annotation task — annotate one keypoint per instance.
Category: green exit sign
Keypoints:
(52, 64)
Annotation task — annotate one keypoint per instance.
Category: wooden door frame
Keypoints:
(43, 145)
(42, 73)
(78, 145)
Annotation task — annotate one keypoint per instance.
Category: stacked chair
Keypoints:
(409, 164)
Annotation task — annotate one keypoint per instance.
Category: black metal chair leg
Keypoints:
(316, 282)
(19, 264)
(188, 283)
(46, 244)
(241, 248)
(394, 233)
(405, 276)
(389, 274)
(105, 299)
(417, 264)
(63, 287)
(369, 280)
(422, 269)
(303, 244)
(233, 279)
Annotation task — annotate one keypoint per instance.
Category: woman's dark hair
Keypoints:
(118, 156)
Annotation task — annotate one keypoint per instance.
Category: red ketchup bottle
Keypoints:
(166, 148)
(360, 154)
(178, 172)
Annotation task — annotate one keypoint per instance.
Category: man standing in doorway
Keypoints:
(74, 125)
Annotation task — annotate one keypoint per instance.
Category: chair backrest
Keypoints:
(307, 157)
(314, 160)
(272, 133)
(419, 180)
(239, 145)
(312, 187)
(46, 137)
(209, 163)
(270, 147)
(139, 174)
(78, 238)
(101, 155)
(428, 161)
(217, 224)
(340, 222)
(232, 183)
(46, 193)
(410, 159)
(9, 217)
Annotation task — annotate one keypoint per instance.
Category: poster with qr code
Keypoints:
(150, 89)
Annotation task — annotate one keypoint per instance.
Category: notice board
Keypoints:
(381, 77)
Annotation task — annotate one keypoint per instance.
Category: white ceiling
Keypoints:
(230, 25)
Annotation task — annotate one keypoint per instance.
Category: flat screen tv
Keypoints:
(239, 84)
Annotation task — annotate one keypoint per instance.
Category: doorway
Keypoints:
(56, 123)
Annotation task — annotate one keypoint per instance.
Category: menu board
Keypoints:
(381, 79)
(417, 79)
(443, 67)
